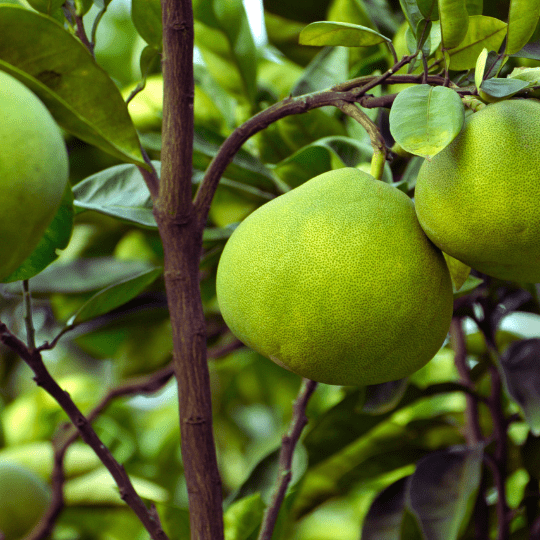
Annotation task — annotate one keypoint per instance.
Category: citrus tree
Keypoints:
(362, 361)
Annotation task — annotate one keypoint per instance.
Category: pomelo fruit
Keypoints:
(478, 199)
(24, 498)
(336, 281)
(33, 172)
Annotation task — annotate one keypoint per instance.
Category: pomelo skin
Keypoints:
(479, 199)
(336, 281)
(33, 172)
(24, 498)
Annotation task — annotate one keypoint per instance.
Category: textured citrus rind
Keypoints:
(336, 281)
(478, 199)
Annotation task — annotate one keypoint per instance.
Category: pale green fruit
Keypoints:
(24, 498)
(336, 281)
(478, 199)
(33, 172)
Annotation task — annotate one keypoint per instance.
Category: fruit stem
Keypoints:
(380, 150)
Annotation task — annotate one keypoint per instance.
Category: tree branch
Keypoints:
(42, 377)
(181, 232)
(298, 422)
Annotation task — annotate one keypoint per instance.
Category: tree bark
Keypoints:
(181, 233)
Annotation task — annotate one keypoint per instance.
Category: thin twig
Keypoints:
(44, 379)
(457, 338)
(289, 442)
(29, 323)
(145, 385)
(380, 151)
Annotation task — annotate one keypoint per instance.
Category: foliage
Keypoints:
(450, 452)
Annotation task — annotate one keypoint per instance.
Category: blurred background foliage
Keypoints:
(358, 441)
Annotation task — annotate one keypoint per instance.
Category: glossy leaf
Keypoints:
(80, 95)
(475, 7)
(56, 237)
(425, 119)
(483, 32)
(115, 296)
(412, 12)
(48, 7)
(340, 34)
(429, 9)
(223, 36)
(442, 489)
(384, 519)
(83, 275)
(328, 68)
(119, 192)
(325, 154)
(503, 88)
(243, 517)
(99, 488)
(519, 366)
(146, 16)
(459, 272)
(454, 22)
(522, 20)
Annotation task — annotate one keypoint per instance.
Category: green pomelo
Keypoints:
(478, 199)
(336, 281)
(33, 172)
(24, 498)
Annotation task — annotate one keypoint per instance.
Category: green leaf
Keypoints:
(245, 167)
(483, 32)
(340, 34)
(82, 275)
(223, 36)
(330, 66)
(146, 17)
(243, 517)
(385, 516)
(99, 488)
(531, 75)
(475, 7)
(115, 296)
(424, 119)
(119, 192)
(412, 13)
(429, 9)
(519, 365)
(48, 7)
(384, 397)
(79, 94)
(459, 272)
(325, 154)
(442, 490)
(503, 88)
(454, 22)
(262, 478)
(522, 20)
(56, 237)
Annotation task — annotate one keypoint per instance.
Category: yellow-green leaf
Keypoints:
(522, 21)
(340, 34)
(454, 22)
(79, 94)
(426, 119)
(483, 32)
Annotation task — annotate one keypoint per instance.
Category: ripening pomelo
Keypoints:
(479, 199)
(336, 281)
(33, 172)
(24, 498)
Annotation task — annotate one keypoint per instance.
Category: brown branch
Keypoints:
(181, 234)
(42, 377)
(457, 339)
(289, 442)
(142, 385)
(350, 92)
